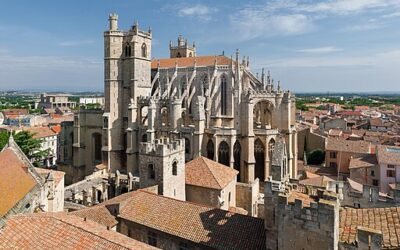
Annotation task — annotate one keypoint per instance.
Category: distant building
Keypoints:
(49, 143)
(55, 101)
(338, 152)
(83, 101)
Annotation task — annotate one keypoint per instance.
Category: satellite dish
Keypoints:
(1, 118)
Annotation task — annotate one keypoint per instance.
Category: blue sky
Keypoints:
(332, 45)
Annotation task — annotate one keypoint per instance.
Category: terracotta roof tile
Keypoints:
(320, 181)
(40, 132)
(386, 220)
(61, 231)
(336, 144)
(103, 213)
(207, 173)
(388, 154)
(364, 161)
(211, 227)
(15, 182)
(189, 61)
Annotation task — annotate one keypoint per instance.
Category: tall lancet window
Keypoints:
(128, 50)
(204, 83)
(144, 50)
(224, 108)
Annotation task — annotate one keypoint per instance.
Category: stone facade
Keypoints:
(300, 223)
(162, 163)
(214, 103)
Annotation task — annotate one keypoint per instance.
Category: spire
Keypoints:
(279, 86)
(262, 76)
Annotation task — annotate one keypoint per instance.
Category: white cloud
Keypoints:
(200, 11)
(250, 23)
(348, 6)
(76, 43)
(328, 49)
(293, 17)
(387, 59)
(394, 14)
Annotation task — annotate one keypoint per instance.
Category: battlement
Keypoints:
(162, 147)
(301, 205)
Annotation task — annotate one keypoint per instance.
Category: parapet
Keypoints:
(301, 205)
(162, 147)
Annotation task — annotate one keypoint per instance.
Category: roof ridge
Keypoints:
(210, 170)
(188, 202)
(76, 226)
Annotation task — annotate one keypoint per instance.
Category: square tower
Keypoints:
(162, 163)
(182, 49)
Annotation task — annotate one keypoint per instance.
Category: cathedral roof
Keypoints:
(201, 61)
(62, 231)
(15, 181)
(208, 226)
(207, 173)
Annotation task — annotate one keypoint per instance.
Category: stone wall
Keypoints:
(247, 197)
(297, 225)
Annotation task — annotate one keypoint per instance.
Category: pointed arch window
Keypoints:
(224, 108)
(127, 50)
(144, 50)
(175, 168)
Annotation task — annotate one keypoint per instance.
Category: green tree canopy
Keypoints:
(316, 157)
(30, 146)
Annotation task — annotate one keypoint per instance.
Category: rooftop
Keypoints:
(388, 154)
(201, 61)
(336, 144)
(363, 162)
(15, 181)
(211, 227)
(207, 173)
(40, 132)
(62, 231)
(386, 220)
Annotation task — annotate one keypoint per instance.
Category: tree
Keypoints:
(30, 146)
(316, 157)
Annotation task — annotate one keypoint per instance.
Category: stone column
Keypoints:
(248, 133)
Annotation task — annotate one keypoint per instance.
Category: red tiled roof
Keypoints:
(103, 213)
(364, 161)
(189, 61)
(386, 220)
(62, 231)
(207, 173)
(15, 182)
(320, 181)
(40, 132)
(210, 227)
(56, 129)
(335, 144)
(388, 154)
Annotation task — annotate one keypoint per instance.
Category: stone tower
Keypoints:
(162, 163)
(127, 66)
(182, 49)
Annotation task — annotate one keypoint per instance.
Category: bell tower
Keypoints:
(182, 49)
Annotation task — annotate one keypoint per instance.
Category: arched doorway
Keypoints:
(259, 152)
(236, 155)
(210, 150)
(223, 153)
